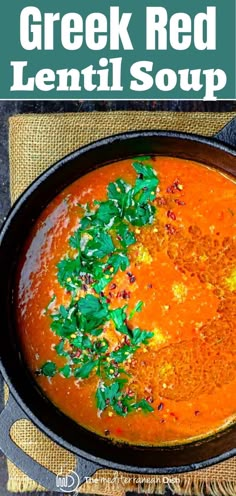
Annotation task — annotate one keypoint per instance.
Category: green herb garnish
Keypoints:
(100, 248)
(49, 369)
(113, 396)
(138, 308)
(65, 371)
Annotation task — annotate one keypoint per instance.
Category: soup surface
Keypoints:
(126, 300)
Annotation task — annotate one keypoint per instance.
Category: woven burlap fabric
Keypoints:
(36, 141)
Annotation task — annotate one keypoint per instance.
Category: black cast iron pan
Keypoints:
(26, 400)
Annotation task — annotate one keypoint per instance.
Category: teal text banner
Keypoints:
(118, 50)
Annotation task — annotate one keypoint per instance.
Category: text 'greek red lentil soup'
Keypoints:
(126, 299)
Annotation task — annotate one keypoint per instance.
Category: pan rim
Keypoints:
(212, 142)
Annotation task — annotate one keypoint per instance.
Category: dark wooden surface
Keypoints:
(11, 108)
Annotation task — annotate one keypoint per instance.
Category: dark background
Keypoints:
(8, 108)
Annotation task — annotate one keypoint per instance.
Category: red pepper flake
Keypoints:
(149, 286)
(197, 412)
(149, 399)
(119, 430)
(171, 229)
(160, 407)
(180, 202)
(161, 201)
(127, 340)
(175, 186)
(130, 393)
(171, 215)
(78, 353)
(131, 277)
(108, 267)
(124, 294)
(162, 421)
(172, 414)
(88, 279)
(108, 300)
(112, 286)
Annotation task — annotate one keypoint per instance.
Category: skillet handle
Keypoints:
(47, 479)
(228, 133)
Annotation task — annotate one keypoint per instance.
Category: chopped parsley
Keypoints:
(99, 248)
(49, 369)
(138, 307)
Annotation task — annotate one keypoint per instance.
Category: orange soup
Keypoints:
(126, 301)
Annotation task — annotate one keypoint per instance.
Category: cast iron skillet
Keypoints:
(26, 400)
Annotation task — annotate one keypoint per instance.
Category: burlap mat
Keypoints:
(36, 141)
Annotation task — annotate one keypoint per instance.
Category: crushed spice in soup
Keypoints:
(127, 300)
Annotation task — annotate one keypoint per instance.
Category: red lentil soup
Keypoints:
(126, 301)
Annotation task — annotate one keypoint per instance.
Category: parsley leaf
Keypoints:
(126, 237)
(64, 323)
(143, 158)
(107, 394)
(59, 348)
(118, 261)
(84, 371)
(75, 240)
(100, 399)
(146, 182)
(100, 285)
(91, 306)
(65, 371)
(117, 191)
(146, 171)
(122, 353)
(118, 315)
(100, 346)
(144, 405)
(100, 246)
(82, 342)
(48, 369)
(140, 215)
(69, 272)
(138, 307)
(139, 336)
(107, 213)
